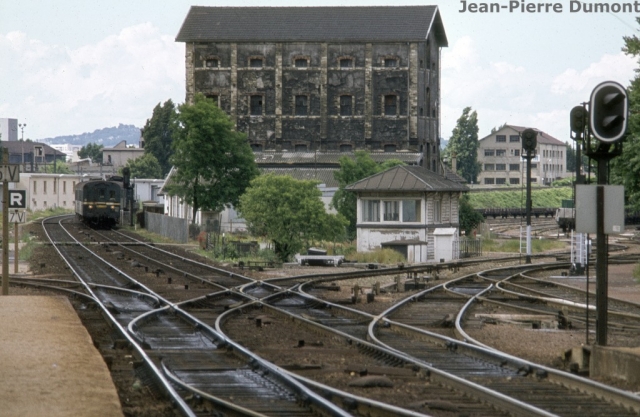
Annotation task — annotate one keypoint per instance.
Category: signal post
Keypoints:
(608, 115)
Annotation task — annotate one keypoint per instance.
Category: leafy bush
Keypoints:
(541, 197)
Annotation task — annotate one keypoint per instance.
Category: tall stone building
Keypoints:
(325, 79)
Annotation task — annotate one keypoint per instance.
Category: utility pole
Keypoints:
(529, 143)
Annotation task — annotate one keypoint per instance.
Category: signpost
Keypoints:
(9, 173)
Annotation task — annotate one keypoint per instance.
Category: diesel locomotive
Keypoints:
(99, 203)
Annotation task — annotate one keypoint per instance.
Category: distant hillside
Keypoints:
(107, 137)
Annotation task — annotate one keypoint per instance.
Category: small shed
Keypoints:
(443, 238)
(414, 251)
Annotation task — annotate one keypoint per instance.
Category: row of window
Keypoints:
(44, 186)
(503, 138)
(552, 154)
(501, 152)
(503, 181)
(501, 167)
(303, 62)
(301, 104)
(404, 211)
(44, 203)
(553, 167)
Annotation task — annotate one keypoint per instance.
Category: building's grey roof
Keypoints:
(543, 137)
(406, 178)
(24, 147)
(324, 175)
(312, 24)
(327, 159)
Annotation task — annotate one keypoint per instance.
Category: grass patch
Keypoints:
(636, 273)
(513, 245)
(40, 214)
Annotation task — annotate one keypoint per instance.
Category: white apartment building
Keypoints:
(500, 156)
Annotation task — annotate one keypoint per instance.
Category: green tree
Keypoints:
(469, 217)
(158, 133)
(288, 212)
(352, 170)
(625, 169)
(146, 166)
(214, 163)
(464, 144)
(91, 150)
(59, 168)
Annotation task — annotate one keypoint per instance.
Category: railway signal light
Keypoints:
(609, 107)
(578, 119)
(529, 140)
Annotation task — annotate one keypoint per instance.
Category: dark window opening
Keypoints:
(301, 148)
(301, 63)
(255, 62)
(501, 181)
(489, 181)
(301, 105)
(514, 181)
(428, 101)
(390, 105)
(211, 63)
(214, 97)
(421, 111)
(346, 108)
(390, 62)
(514, 138)
(389, 148)
(501, 138)
(256, 105)
(421, 64)
(256, 147)
(346, 148)
(346, 63)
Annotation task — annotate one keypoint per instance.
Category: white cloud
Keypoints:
(119, 79)
(617, 67)
(522, 95)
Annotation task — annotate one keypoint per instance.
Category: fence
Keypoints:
(171, 227)
(467, 248)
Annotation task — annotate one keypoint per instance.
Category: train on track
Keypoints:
(504, 213)
(564, 217)
(100, 202)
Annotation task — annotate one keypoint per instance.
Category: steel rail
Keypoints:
(292, 384)
(162, 382)
(560, 378)
(501, 401)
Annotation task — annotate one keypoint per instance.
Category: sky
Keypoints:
(74, 66)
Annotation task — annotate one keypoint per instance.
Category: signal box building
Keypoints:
(500, 156)
(307, 79)
(411, 210)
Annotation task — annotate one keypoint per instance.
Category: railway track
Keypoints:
(547, 389)
(168, 331)
(184, 320)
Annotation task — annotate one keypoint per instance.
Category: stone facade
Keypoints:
(333, 95)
